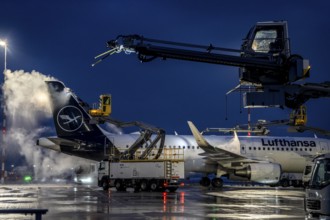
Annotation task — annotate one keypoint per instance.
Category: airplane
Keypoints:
(260, 159)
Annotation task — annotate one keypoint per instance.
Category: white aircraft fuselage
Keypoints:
(292, 153)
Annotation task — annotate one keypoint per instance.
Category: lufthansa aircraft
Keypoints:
(256, 158)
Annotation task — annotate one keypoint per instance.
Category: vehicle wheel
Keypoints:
(153, 185)
(119, 185)
(137, 187)
(105, 184)
(172, 189)
(144, 185)
(205, 181)
(285, 183)
(217, 183)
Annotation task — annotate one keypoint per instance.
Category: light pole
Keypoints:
(3, 44)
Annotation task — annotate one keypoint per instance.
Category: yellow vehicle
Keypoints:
(104, 109)
(299, 116)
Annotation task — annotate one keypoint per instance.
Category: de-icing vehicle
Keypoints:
(268, 69)
(317, 198)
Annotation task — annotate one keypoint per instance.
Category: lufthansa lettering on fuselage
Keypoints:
(287, 143)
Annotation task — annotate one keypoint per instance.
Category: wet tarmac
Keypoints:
(78, 202)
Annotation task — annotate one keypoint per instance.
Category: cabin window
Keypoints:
(264, 148)
(273, 148)
(242, 148)
(193, 147)
(259, 148)
(188, 147)
(184, 147)
(287, 149)
(268, 148)
(254, 148)
(250, 148)
(197, 147)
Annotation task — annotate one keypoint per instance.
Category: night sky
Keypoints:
(60, 38)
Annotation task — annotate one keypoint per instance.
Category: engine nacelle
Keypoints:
(266, 173)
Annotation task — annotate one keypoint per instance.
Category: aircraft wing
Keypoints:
(54, 143)
(216, 154)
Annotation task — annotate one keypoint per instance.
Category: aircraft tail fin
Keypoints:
(70, 113)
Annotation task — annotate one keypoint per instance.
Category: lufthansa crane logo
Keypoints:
(69, 118)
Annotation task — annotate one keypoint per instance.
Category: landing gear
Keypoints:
(205, 181)
(217, 183)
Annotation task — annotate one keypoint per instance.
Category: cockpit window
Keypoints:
(265, 41)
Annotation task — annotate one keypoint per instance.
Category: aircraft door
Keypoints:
(324, 147)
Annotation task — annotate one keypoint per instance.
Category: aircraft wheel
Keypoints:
(144, 185)
(205, 181)
(217, 183)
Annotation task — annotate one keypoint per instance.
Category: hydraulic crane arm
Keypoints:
(264, 57)
(149, 49)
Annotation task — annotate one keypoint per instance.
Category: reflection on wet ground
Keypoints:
(192, 202)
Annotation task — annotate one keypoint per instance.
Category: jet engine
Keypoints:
(266, 173)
